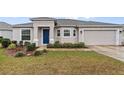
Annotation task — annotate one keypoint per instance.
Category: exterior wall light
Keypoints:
(81, 32)
(120, 31)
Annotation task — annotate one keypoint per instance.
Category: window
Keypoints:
(58, 32)
(74, 32)
(26, 34)
(66, 32)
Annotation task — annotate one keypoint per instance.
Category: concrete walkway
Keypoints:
(116, 52)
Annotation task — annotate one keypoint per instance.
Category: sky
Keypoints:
(19, 20)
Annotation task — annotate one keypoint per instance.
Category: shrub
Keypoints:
(19, 54)
(82, 45)
(14, 42)
(0, 45)
(20, 43)
(31, 47)
(27, 43)
(57, 45)
(38, 53)
(5, 42)
(34, 45)
(50, 46)
(57, 42)
(45, 51)
(67, 45)
(1, 38)
(12, 46)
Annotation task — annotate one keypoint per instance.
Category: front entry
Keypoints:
(45, 36)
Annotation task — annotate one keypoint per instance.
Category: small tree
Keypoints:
(6, 42)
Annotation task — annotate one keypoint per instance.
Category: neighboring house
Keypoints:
(6, 30)
(44, 30)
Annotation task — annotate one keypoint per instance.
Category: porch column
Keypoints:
(118, 37)
(51, 40)
(35, 40)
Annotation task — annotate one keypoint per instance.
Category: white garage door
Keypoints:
(6, 34)
(93, 37)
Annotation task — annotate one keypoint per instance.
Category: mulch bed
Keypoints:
(12, 52)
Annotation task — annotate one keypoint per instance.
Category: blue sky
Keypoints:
(18, 20)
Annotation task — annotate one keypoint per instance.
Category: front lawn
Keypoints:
(61, 62)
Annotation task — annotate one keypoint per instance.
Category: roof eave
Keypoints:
(21, 27)
(115, 26)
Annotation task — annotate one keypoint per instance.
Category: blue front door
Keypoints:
(45, 36)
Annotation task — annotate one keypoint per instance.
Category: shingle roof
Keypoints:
(66, 22)
(5, 26)
(71, 22)
(30, 25)
(43, 19)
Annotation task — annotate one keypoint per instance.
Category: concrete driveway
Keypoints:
(116, 52)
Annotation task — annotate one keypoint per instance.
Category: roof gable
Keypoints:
(5, 26)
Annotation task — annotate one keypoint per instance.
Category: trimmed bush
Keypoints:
(14, 42)
(6, 42)
(27, 43)
(20, 43)
(57, 45)
(81, 45)
(66, 45)
(57, 42)
(38, 53)
(31, 47)
(1, 38)
(50, 46)
(19, 54)
(12, 46)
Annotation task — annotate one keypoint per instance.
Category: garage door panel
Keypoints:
(100, 37)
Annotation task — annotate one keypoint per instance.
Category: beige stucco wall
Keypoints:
(6, 34)
(68, 39)
(17, 34)
(37, 24)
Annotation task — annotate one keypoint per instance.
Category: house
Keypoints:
(45, 30)
(6, 30)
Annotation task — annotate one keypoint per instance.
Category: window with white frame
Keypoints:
(26, 34)
(58, 32)
(74, 32)
(66, 32)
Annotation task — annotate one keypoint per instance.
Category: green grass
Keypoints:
(61, 62)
